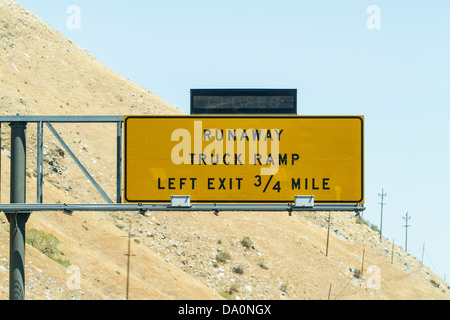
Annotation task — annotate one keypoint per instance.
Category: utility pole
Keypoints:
(328, 233)
(382, 195)
(423, 249)
(406, 229)
(362, 264)
(128, 261)
(392, 253)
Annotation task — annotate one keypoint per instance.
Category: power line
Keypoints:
(431, 262)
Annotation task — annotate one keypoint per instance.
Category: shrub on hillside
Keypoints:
(247, 242)
(47, 244)
(223, 256)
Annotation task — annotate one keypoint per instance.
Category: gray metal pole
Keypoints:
(0, 162)
(72, 207)
(17, 220)
(18, 162)
(119, 163)
(17, 256)
(39, 171)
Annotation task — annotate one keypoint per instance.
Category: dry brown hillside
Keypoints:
(174, 255)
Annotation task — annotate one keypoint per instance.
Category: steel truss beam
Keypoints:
(62, 119)
(69, 208)
(40, 120)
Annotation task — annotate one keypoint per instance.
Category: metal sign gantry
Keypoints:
(18, 211)
(17, 217)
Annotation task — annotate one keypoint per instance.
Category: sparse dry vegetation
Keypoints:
(247, 242)
(239, 269)
(223, 256)
(47, 244)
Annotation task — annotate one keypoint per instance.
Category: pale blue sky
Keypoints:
(397, 76)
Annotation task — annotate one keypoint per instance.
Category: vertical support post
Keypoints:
(18, 162)
(119, 162)
(17, 220)
(40, 143)
(17, 255)
(0, 162)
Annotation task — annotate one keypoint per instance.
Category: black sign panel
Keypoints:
(244, 101)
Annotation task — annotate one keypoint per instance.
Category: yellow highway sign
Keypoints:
(244, 159)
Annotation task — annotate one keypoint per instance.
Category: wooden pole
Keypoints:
(392, 254)
(423, 249)
(128, 260)
(328, 233)
(382, 195)
(329, 292)
(362, 265)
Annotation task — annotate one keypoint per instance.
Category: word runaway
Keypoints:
(241, 134)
